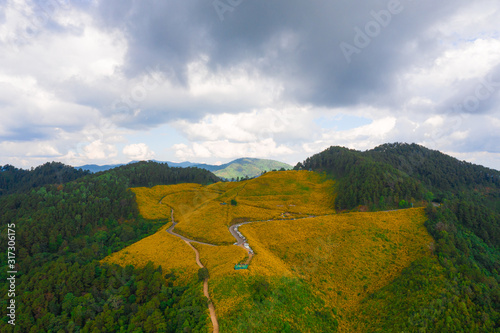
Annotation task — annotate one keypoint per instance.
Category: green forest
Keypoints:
(64, 227)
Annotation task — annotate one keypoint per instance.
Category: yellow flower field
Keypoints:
(346, 256)
(343, 257)
(162, 249)
(207, 223)
(204, 213)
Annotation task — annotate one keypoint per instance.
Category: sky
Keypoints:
(105, 82)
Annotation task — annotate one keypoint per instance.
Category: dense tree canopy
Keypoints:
(14, 180)
(148, 174)
(64, 226)
(363, 181)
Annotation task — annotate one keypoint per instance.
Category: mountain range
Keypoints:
(239, 168)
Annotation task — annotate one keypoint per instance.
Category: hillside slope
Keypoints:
(433, 268)
(464, 219)
(14, 180)
(300, 245)
(205, 212)
(248, 167)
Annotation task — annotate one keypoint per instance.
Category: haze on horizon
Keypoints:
(106, 82)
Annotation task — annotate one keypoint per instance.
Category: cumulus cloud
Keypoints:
(286, 124)
(138, 152)
(231, 150)
(98, 150)
(363, 137)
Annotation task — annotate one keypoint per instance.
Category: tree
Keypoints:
(261, 289)
(403, 204)
(203, 274)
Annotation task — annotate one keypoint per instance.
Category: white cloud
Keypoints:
(231, 150)
(435, 121)
(34, 149)
(98, 150)
(363, 137)
(138, 152)
(282, 124)
(490, 160)
(208, 93)
(42, 149)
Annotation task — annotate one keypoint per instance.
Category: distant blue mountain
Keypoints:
(179, 165)
(242, 167)
(97, 168)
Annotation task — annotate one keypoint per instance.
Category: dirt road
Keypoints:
(211, 308)
(171, 231)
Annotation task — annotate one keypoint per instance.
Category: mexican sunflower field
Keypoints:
(312, 267)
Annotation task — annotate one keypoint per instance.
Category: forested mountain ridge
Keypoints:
(401, 171)
(435, 169)
(13, 179)
(148, 174)
(62, 229)
(363, 181)
(464, 218)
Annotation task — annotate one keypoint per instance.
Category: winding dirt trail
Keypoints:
(211, 308)
(171, 231)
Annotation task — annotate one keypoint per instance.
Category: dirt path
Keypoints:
(211, 307)
(171, 231)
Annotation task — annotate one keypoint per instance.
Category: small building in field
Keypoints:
(240, 266)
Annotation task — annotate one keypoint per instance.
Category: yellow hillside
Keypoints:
(307, 253)
(205, 212)
(162, 249)
(155, 203)
(343, 258)
(346, 256)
